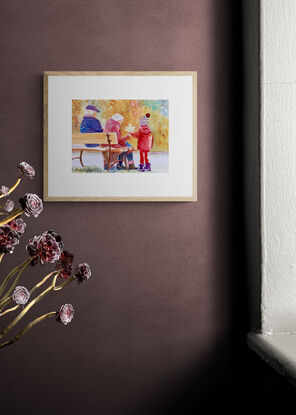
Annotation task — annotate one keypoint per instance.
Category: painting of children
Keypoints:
(142, 131)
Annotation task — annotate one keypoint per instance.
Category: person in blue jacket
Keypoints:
(90, 124)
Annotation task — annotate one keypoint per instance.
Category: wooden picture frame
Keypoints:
(172, 98)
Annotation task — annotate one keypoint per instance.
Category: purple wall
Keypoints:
(150, 325)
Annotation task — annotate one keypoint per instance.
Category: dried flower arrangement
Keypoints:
(46, 249)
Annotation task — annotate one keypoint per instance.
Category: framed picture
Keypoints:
(120, 136)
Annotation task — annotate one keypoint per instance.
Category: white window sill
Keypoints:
(278, 350)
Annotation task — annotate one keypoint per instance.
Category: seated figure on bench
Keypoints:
(90, 124)
(113, 125)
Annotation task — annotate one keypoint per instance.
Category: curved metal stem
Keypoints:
(16, 280)
(42, 282)
(9, 310)
(28, 327)
(59, 287)
(13, 187)
(8, 300)
(14, 215)
(10, 275)
(28, 307)
(5, 302)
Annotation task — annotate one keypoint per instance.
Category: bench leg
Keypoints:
(109, 155)
(80, 158)
(110, 161)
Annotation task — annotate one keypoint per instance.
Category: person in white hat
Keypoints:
(113, 125)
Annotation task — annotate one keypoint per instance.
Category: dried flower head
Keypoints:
(26, 169)
(46, 247)
(17, 225)
(32, 204)
(9, 205)
(66, 313)
(4, 190)
(21, 295)
(65, 264)
(8, 239)
(82, 272)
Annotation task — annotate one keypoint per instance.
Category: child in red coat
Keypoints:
(145, 142)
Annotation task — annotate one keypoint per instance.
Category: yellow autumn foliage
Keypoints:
(132, 111)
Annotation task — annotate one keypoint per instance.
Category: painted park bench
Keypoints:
(108, 143)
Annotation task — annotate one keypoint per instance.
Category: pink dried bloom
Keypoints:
(32, 204)
(66, 313)
(26, 169)
(46, 247)
(82, 272)
(21, 295)
(8, 239)
(17, 225)
(65, 264)
(4, 190)
(9, 205)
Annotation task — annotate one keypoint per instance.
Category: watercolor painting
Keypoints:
(120, 136)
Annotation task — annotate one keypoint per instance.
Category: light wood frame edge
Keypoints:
(45, 137)
(47, 198)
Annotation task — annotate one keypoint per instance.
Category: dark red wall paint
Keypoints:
(155, 315)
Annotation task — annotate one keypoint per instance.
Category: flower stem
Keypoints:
(1, 257)
(13, 187)
(14, 215)
(9, 310)
(28, 327)
(15, 281)
(10, 275)
(59, 287)
(27, 308)
(31, 292)
(41, 282)
(5, 302)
